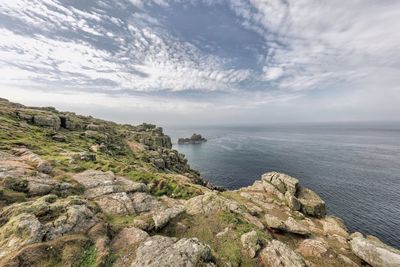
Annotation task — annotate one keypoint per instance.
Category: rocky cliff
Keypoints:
(78, 191)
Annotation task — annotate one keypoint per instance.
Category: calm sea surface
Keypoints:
(354, 168)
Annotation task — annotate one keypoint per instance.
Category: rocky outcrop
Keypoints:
(278, 254)
(287, 188)
(251, 243)
(46, 218)
(289, 225)
(194, 139)
(311, 203)
(152, 137)
(166, 251)
(26, 172)
(52, 121)
(30, 157)
(373, 251)
(30, 228)
(115, 195)
(162, 217)
(312, 248)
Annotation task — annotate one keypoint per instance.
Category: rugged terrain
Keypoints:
(79, 191)
(194, 139)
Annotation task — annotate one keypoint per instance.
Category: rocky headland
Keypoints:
(194, 139)
(79, 191)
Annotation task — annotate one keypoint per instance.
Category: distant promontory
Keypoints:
(194, 139)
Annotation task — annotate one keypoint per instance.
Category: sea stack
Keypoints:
(194, 139)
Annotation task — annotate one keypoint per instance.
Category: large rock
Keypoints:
(143, 202)
(47, 120)
(30, 157)
(126, 243)
(312, 248)
(164, 216)
(131, 236)
(289, 225)
(292, 201)
(98, 183)
(58, 216)
(210, 203)
(116, 204)
(278, 254)
(117, 195)
(166, 251)
(374, 252)
(334, 226)
(76, 218)
(20, 230)
(251, 243)
(311, 203)
(281, 181)
(296, 227)
(18, 173)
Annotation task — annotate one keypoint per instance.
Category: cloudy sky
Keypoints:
(204, 61)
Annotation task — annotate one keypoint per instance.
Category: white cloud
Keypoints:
(272, 73)
(309, 45)
(318, 42)
(146, 59)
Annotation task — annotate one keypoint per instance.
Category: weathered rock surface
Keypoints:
(334, 226)
(164, 216)
(25, 172)
(251, 243)
(374, 251)
(289, 225)
(46, 218)
(47, 120)
(167, 251)
(284, 183)
(115, 195)
(20, 230)
(28, 156)
(311, 203)
(312, 248)
(278, 254)
(126, 243)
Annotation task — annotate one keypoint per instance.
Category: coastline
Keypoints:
(120, 194)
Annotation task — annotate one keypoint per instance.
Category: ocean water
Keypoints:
(355, 168)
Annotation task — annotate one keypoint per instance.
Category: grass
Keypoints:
(118, 157)
(88, 257)
(9, 196)
(118, 222)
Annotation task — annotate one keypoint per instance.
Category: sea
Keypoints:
(354, 167)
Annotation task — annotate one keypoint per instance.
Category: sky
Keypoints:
(175, 62)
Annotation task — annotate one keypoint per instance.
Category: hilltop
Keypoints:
(80, 191)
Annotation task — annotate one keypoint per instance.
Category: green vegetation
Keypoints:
(88, 257)
(117, 150)
(118, 222)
